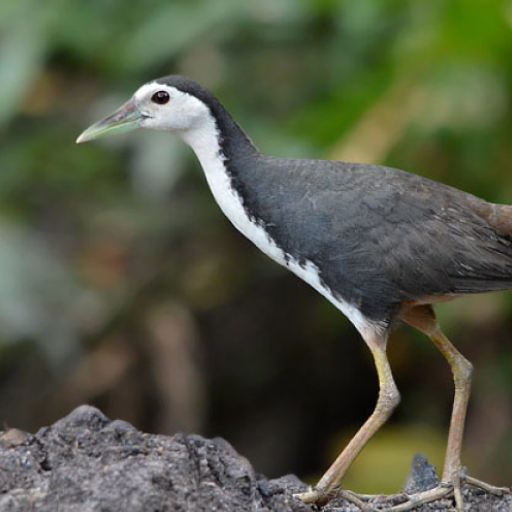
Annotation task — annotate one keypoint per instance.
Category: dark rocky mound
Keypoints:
(87, 463)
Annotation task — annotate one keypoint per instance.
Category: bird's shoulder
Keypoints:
(344, 188)
(382, 236)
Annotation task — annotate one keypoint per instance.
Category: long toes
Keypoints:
(357, 500)
(319, 498)
(411, 502)
(492, 489)
(415, 500)
(315, 497)
(309, 497)
(457, 495)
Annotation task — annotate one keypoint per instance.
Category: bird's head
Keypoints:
(175, 104)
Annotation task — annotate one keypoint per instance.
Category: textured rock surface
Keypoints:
(86, 463)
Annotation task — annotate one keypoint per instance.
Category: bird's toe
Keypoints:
(491, 489)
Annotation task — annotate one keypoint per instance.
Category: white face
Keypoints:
(167, 108)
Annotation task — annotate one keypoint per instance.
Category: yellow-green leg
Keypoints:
(462, 370)
(423, 318)
(389, 398)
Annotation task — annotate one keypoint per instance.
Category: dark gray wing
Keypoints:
(382, 236)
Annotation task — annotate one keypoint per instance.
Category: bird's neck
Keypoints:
(219, 136)
(223, 149)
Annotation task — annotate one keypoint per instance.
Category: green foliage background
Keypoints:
(122, 285)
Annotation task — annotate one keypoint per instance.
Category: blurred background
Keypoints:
(121, 283)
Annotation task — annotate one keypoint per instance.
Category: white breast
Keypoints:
(204, 140)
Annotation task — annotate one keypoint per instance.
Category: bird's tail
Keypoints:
(498, 216)
(501, 219)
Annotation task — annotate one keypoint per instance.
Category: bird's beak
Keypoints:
(122, 120)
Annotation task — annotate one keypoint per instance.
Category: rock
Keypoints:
(88, 463)
(422, 476)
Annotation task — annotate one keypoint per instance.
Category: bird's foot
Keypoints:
(315, 497)
(491, 489)
(310, 497)
(412, 501)
(445, 490)
(320, 498)
(407, 502)
(362, 501)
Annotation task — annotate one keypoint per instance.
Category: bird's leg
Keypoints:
(423, 318)
(462, 370)
(387, 402)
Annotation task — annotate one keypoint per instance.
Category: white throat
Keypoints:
(204, 139)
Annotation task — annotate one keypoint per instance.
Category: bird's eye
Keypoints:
(160, 97)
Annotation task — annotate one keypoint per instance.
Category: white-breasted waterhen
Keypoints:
(381, 244)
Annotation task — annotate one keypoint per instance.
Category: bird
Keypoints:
(381, 244)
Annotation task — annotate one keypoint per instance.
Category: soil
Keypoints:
(88, 463)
